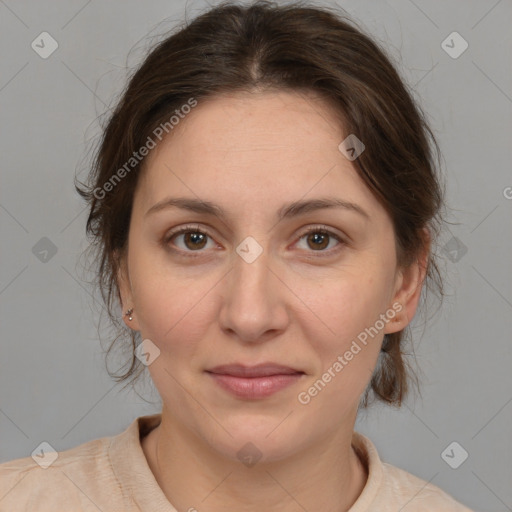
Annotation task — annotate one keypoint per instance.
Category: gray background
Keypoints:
(53, 383)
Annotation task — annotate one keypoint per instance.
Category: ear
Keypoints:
(409, 283)
(125, 292)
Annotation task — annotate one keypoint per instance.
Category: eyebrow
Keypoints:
(287, 211)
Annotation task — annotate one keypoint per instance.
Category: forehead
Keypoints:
(254, 150)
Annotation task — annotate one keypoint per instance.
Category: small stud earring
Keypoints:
(129, 314)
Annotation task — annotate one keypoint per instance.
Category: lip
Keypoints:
(259, 370)
(254, 382)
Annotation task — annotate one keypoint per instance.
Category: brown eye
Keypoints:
(193, 239)
(318, 240)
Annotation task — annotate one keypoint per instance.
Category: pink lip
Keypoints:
(256, 381)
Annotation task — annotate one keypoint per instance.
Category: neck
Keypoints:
(194, 476)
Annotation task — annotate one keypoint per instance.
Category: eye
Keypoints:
(318, 238)
(193, 238)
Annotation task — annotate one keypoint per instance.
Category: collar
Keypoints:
(138, 482)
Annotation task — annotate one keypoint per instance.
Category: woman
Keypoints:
(264, 203)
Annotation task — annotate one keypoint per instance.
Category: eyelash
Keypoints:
(195, 229)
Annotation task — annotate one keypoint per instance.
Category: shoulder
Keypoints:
(391, 488)
(416, 494)
(30, 483)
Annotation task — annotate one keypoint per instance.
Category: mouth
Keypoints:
(260, 370)
(254, 382)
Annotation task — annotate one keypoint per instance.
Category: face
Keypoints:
(250, 286)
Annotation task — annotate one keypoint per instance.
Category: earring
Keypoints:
(129, 314)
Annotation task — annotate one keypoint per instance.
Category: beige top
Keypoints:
(111, 474)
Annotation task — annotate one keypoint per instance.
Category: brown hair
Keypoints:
(287, 47)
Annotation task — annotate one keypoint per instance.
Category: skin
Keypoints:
(252, 153)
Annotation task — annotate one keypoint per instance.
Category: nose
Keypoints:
(254, 300)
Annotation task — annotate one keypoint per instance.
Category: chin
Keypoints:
(257, 438)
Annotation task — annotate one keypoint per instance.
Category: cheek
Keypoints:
(345, 345)
(344, 336)
(344, 307)
(171, 308)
